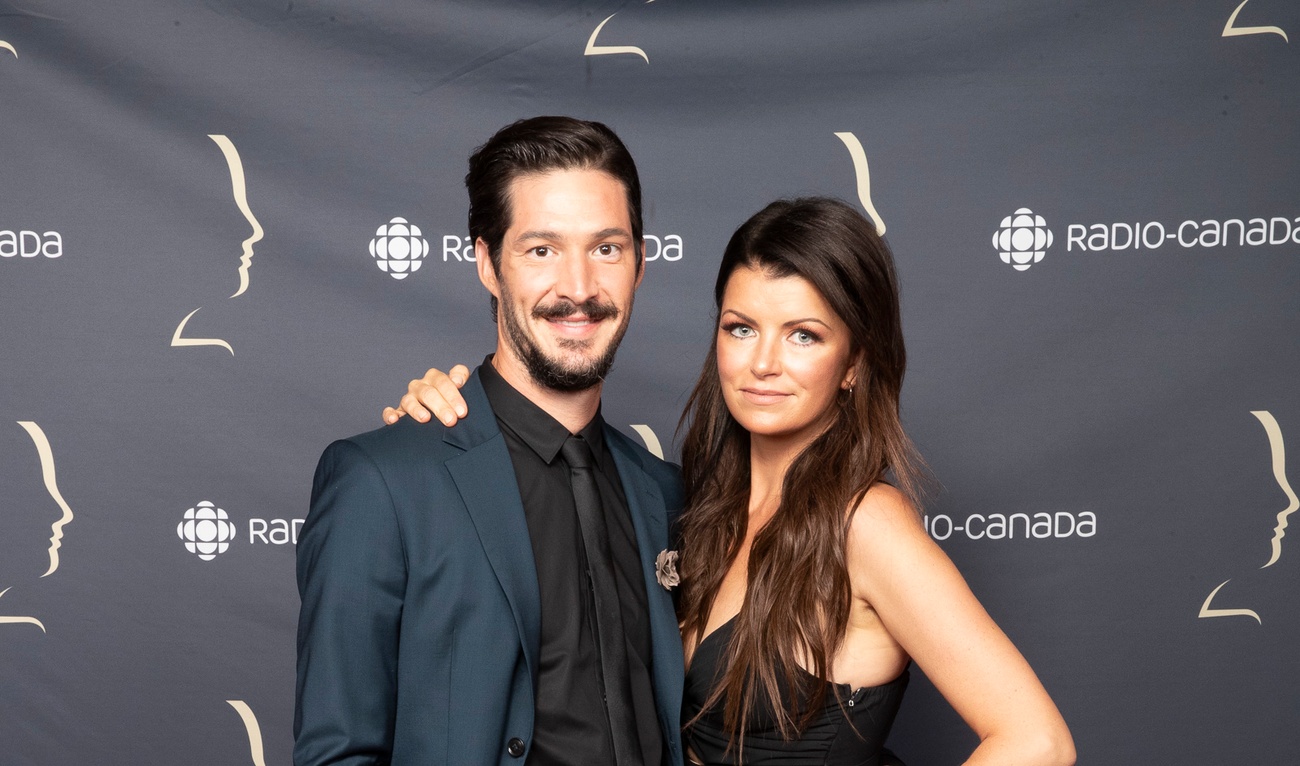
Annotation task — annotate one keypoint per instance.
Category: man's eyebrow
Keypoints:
(538, 234)
(613, 231)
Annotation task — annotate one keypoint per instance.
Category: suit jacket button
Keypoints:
(515, 747)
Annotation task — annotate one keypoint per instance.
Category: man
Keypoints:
(486, 593)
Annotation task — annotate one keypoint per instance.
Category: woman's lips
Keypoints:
(763, 395)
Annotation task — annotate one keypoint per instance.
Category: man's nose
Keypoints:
(576, 280)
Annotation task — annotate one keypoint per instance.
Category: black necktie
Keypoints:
(610, 637)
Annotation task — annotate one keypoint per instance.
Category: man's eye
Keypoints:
(608, 250)
(542, 251)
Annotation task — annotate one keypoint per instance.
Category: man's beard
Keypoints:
(554, 373)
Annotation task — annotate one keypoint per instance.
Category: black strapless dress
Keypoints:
(850, 736)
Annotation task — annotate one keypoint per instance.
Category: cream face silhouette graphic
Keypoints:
(1232, 30)
(17, 620)
(49, 478)
(651, 441)
(179, 340)
(252, 728)
(6, 46)
(863, 174)
(240, 193)
(1277, 451)
(241, 201)
(608, 50)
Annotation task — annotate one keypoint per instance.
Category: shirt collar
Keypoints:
(533, 425)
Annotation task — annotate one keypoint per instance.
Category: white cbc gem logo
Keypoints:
(206, 531)
(1022, 239)
(398, 248)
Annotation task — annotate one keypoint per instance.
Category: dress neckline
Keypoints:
(727, 626)
(724, 626)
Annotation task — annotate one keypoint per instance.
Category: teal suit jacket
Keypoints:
(418, 638)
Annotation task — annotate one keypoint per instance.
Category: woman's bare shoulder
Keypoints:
(887, 543)
(884, 510)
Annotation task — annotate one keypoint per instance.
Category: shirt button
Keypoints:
(515, 747)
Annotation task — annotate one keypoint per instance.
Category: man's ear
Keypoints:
(640, 271)
(486, 273)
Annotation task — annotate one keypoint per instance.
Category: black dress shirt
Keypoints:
(571, 726)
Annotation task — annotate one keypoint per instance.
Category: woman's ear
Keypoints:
(851, 374)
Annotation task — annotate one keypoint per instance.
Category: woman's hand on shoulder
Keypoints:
(927, 607)
(437, 393)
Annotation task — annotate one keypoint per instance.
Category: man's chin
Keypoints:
(573, 352)
(567, 369)
(566, 380)
(570, 365)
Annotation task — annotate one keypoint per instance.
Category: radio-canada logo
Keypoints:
(398, 248)
(206, 531)
(1022, 239)
(25, 243)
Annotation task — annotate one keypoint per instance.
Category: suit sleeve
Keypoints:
(352, 579)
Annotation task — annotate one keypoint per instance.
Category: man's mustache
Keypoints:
(591, 308)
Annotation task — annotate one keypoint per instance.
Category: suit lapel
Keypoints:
(485, 477)
(645, 501)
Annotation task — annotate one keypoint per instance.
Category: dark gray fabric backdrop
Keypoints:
(1128, 394)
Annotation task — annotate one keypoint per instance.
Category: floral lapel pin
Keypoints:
(666, 569)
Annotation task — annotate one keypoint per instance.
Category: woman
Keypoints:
(808, 581)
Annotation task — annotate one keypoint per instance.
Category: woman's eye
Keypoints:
(804, 338)
(739, 331)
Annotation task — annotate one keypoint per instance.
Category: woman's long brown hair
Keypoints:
(797, 596)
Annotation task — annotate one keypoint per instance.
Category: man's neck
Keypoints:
(573, 409)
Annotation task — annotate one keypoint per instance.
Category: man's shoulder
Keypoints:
(395, 441)
(409, 442)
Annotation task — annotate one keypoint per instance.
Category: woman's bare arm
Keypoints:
(926, 605)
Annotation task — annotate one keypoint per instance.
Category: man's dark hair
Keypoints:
(540, 145)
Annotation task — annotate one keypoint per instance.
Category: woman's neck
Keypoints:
(769, 459)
